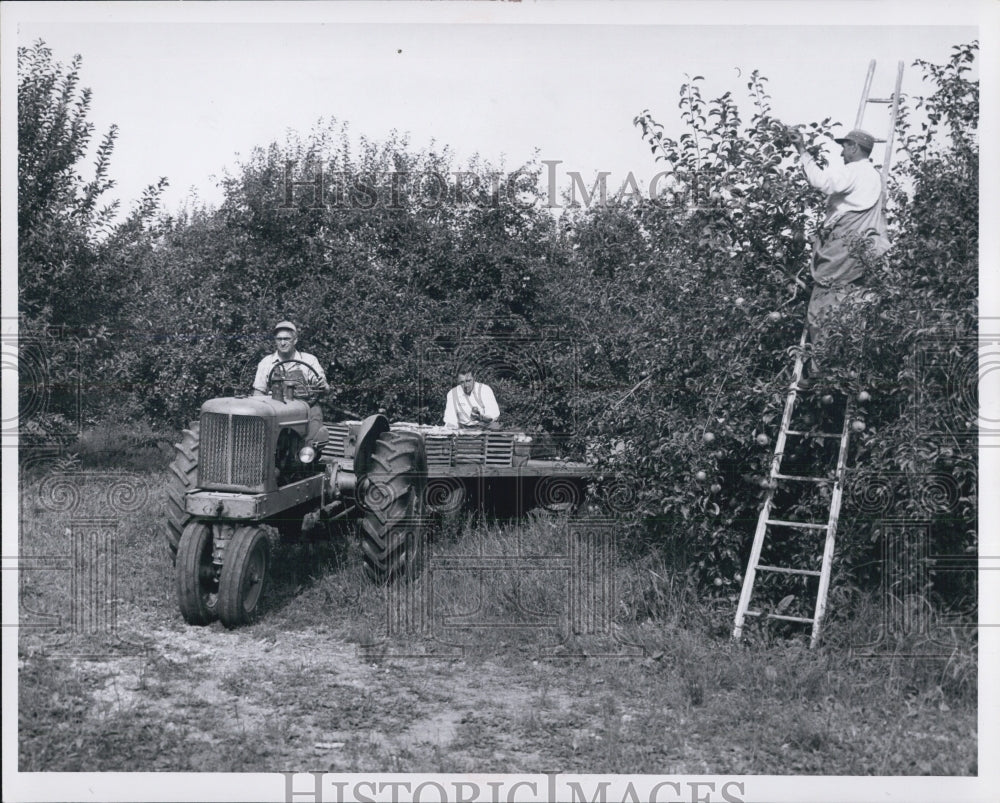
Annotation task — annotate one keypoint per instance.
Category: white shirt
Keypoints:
(458, 407)
(851, 187)
(265, 365)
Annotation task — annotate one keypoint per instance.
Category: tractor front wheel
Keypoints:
(392, 530)
(244, 575)
(197, 577)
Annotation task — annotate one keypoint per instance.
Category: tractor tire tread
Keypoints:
(182, 477)
(387, 534)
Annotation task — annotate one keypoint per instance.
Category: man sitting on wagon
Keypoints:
(471, 404)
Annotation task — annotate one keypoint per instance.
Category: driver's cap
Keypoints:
(285, 325)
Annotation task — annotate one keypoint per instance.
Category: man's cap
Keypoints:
(285, 325)
(863, 138)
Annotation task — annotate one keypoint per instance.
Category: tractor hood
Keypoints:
(239, 441)
(285, 413)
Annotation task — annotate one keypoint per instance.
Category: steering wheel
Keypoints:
(310, 393)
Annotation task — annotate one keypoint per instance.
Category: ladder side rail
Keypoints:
(864, 94)
(893, 117)
(831, 532)
(786, 416)
(749, 577)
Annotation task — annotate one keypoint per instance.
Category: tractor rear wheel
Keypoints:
(182, 478)
(244, 575)
(392, 529)
(197, 577)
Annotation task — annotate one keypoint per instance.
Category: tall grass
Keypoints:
(113, 517)
(489, 599)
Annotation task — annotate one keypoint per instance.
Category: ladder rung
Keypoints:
(806, 620)
(795, 478)
(783, 570)
(879, 100)
(812, 434)
(877, 140)
(804, 525)
(803, 619)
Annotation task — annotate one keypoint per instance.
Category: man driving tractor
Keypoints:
(299, 368)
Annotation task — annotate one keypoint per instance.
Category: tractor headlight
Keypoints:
(307, 454)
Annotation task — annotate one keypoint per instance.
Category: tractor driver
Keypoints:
(308, 383)
(471, 404)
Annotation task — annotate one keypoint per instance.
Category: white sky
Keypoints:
(189, 96)
(191, 85)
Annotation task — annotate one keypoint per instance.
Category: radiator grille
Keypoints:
(336, 446)
(214, 449)
(233, 450)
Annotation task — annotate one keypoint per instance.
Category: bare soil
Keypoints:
(306, 700)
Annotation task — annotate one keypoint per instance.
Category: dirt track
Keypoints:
(310, 701)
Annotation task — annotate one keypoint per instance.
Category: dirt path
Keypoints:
(307, 700)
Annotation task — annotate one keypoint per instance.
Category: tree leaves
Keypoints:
(72, 255)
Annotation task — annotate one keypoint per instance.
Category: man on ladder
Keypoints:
(853, 230)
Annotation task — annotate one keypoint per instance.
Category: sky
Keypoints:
(192, 86)
(190, 96)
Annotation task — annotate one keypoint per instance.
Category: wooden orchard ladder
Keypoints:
(765, 522)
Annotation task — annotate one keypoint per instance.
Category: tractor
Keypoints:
(254, 473)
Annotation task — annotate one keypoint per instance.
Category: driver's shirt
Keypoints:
(264, 369)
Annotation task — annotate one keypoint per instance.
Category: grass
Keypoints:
(133, 447)
(322, 683)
